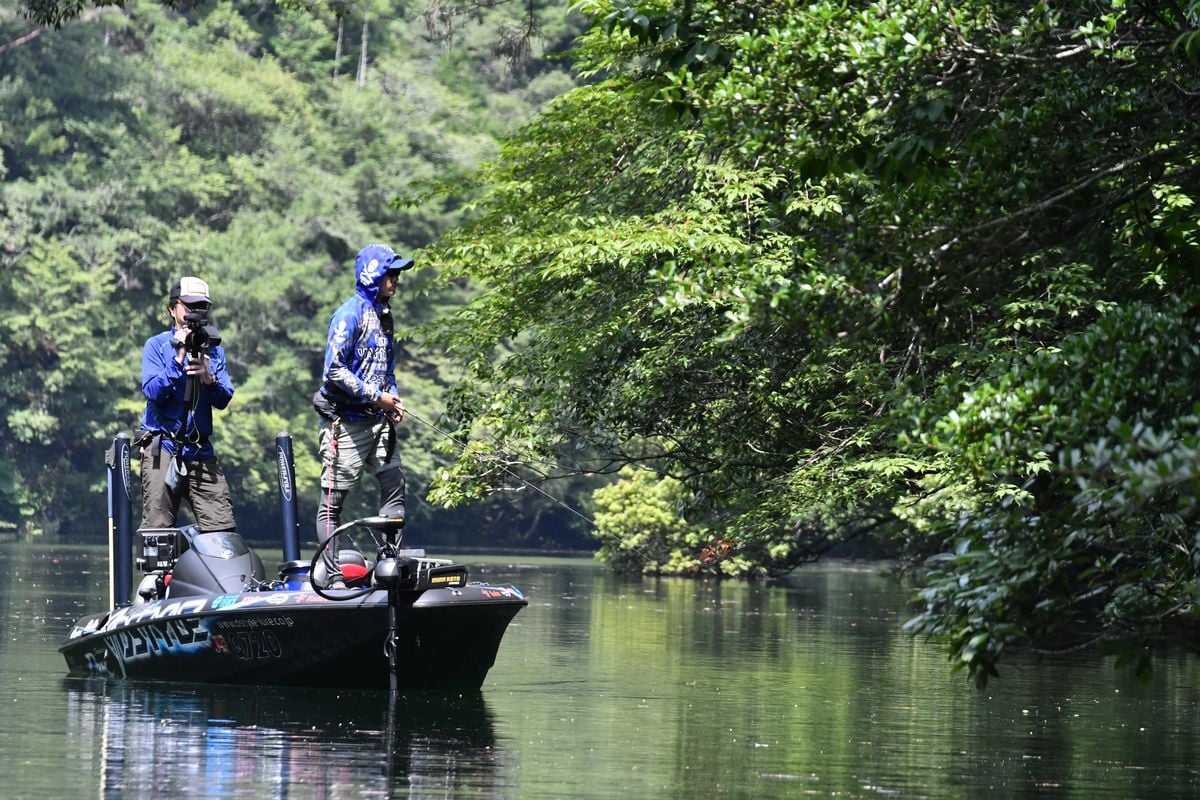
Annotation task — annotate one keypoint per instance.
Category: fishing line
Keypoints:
(463, 446)
(522, 479)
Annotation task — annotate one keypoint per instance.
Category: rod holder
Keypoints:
(120, 522)
(287, 496)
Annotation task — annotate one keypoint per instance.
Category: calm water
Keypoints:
(604, 689)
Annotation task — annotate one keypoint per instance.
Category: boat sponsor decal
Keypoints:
(253, 622)
(252, 645)
(236, 602)
(144, 641)
(285, 477)
(126, 479)
(302, 598)
(250, 638)
(500, 592)
(133, 615)
(88, 627)
(136, 614)
(114, 652)
(104, 661)
(245, 638)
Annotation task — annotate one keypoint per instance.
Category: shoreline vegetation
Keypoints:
(720, 288)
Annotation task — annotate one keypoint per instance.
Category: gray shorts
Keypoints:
(361, 446)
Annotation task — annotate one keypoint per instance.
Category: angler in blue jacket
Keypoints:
(358, 401)
(184, 378)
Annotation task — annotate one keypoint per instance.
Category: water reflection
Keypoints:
(610, 689)
(671, 688)
(273, 743)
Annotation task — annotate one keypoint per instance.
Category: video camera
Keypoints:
(202, 334)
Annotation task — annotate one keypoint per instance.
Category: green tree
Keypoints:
(1070, 485)
(771, 248)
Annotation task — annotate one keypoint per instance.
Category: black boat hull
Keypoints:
(447, 639)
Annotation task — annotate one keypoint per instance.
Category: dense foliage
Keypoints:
(237, 142)
(907, 268)
(795, 274)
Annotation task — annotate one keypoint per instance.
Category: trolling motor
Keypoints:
(401, 572)
(390, 571)
(393, 567)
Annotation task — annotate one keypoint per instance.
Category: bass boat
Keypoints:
(206, 611)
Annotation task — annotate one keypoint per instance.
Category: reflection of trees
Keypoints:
(658, 688)
(811, 683)
(73, 579)
(568, 592)
(259, 741)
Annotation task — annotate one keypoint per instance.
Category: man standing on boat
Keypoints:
(184, 379)
(358, 400)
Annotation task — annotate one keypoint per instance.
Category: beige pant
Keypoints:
(204, 487)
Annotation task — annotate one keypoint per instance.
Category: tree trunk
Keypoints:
(362, 58)
(23, 39)
(337, 51)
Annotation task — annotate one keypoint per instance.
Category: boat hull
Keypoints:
(447, 639)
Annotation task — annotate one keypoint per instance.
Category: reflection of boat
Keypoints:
(234, 741)
(206, 612)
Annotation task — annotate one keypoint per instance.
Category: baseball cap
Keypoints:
(381, 254)
(190, 290)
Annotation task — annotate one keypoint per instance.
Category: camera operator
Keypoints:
(184, 379)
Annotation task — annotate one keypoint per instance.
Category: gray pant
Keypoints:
(348, 449)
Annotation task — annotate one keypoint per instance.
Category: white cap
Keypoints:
(190, 290)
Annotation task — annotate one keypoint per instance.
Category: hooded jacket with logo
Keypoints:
(360, 361)
(164, 383)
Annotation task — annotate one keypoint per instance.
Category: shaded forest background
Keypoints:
(907, 276)
(234, 141)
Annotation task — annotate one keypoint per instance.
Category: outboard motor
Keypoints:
(215, 563)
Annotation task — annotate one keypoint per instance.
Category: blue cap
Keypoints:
(378, 258)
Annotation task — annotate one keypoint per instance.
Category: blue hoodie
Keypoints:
(360, 361)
